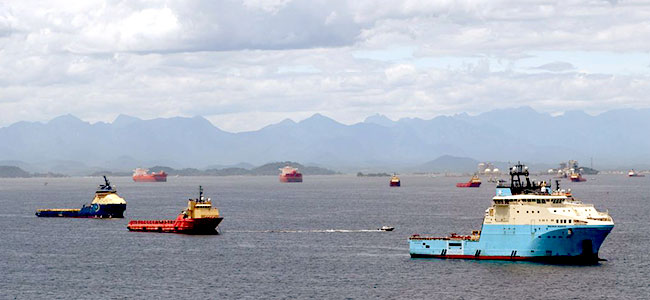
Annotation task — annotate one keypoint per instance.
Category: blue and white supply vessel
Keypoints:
(527, 221)
(106, 204)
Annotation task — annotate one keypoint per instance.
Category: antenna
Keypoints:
(200, 193)
(107, 186)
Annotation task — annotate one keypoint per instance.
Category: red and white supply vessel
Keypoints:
(141, 175)
(290, 174)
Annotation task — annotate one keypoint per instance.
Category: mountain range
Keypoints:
(613, 139)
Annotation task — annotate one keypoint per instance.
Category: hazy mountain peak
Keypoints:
(125, 120)
(319, 119)
(379, 119)
(287, 121)
(68, 119)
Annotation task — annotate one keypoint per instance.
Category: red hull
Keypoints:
(180, 225)
(394, 183)
(473, 257)
(291, 178)
(468, 184)
(578, 179)
(150, 178)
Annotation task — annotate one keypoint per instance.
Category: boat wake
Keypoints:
(308, 231)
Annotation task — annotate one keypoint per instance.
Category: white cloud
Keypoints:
(246, 63)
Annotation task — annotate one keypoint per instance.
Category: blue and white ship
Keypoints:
(106, 204)
(527, 221)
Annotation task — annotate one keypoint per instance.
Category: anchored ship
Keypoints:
(395, 181)
(290, 174)
(106, 204)
(473, 182)
(633, 173)
(577, 177)
(141, 175)
(527, 221)
(198, 218)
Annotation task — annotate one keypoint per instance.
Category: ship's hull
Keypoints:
(395, 183)
(579, 179)
(187, 226)
(90, 211)
(568, 243)
(468, 184)
(297, 178)
(150, 178)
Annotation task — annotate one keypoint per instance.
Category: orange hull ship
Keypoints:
(289, 174)
(141, 175)
(198, 218)
(577, 177)
(474, 182)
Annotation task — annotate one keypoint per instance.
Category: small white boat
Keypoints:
(386, 228)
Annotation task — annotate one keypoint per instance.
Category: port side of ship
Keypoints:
(200, 217)
(526, 222)
(106, 204)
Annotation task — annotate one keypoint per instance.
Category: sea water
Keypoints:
(316, 239)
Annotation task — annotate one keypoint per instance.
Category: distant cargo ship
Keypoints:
(577, 177)
(106, 204)
(473, 182)
(198, 218)
(395, 181)
(290, 174)
(633, 173)
(527, 221)
(141, 175)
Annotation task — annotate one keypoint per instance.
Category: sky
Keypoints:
(244, 64)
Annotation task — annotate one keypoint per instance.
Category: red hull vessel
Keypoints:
(577, 178)
(198, 218)
(395, 181)
(290, 174)
(473, 182)
(180, 225)
(141, 175)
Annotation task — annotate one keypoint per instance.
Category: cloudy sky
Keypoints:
(246, 63)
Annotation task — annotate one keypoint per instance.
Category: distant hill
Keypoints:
(274, 169)
(448, 163)
(13, 172)
(69, 145)
(267, 169)
(16, 172)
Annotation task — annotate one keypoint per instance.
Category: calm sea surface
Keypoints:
(84, 258)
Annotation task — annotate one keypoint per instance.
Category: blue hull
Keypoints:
(519, 242)
(90, 211)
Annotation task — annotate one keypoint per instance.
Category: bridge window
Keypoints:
(569, 221)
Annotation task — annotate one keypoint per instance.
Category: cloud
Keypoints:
(237, 61)
(557, 66)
